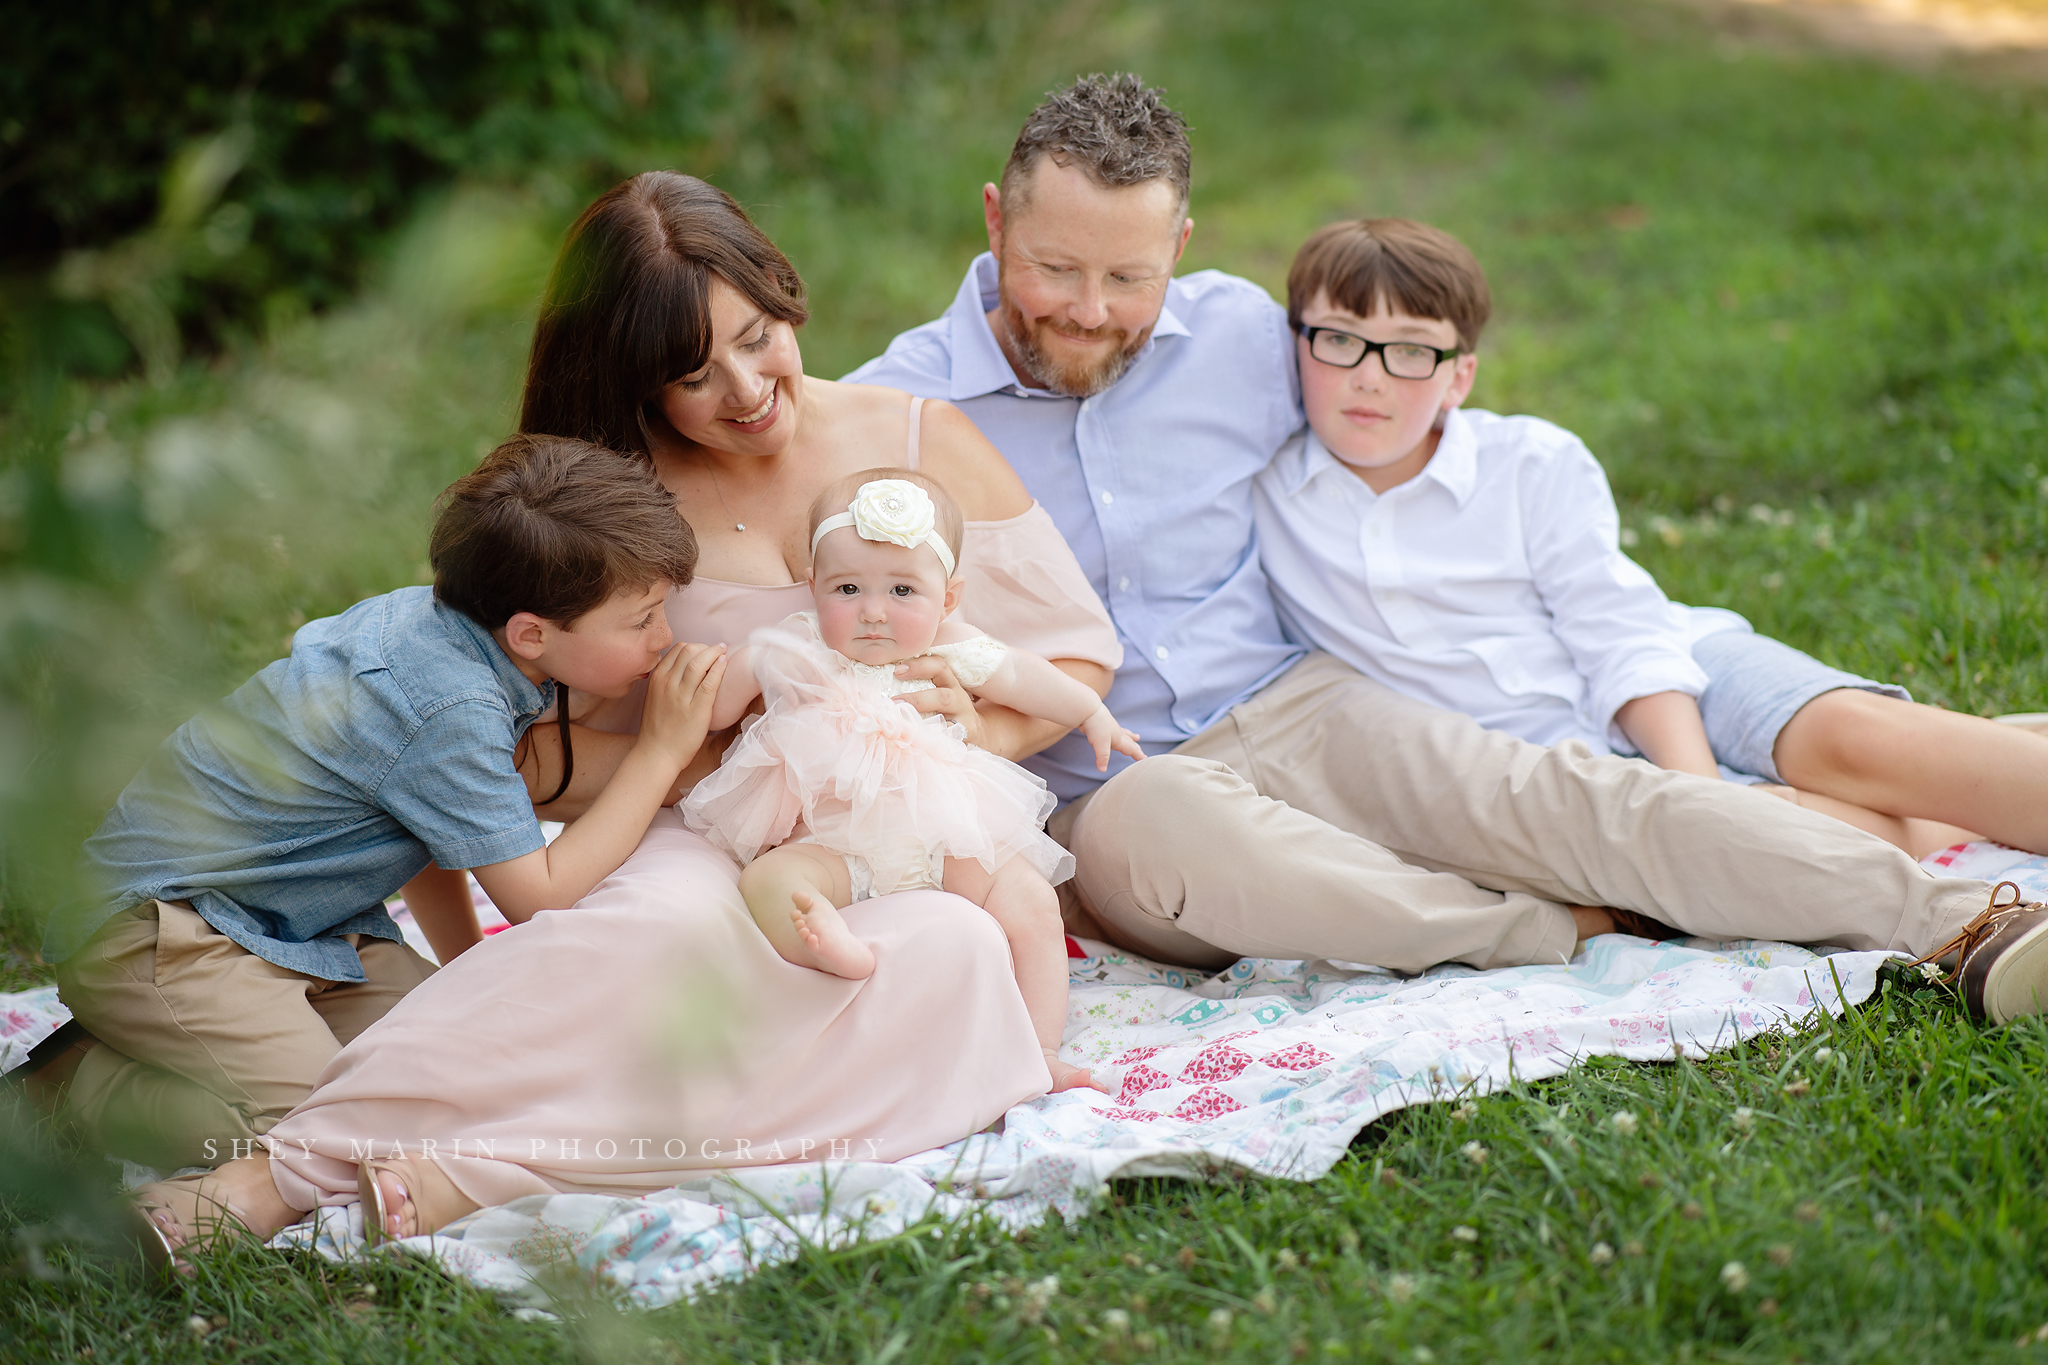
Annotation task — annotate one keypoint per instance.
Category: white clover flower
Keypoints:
(1932, 972)
(1401, 1288)
(1041, 1292)
(1287, 1259)
(1745, 1119)
(895, 510)
(1464, 1112)
(1219, 1322)
(1821, 1054)
(1601, 1254)
(1735, 1277)
(1117, 1320)
(1623, 1123)
(1461, 1233)
(1475, 1153)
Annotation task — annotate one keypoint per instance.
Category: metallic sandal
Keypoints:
(2001, 969)
(197, 1220)
(433, 1198)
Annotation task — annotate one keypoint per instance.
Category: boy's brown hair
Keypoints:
(1420, 270)
(951, 524)
(556, 527)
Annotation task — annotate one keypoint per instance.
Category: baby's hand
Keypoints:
(680, 694)
(1105, 734)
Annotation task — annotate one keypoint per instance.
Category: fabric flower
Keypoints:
(895, 510)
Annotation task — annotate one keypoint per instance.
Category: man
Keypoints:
(1290, 806)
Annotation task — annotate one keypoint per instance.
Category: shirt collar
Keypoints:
(1455, 465)
(979, 365)
(528, 698)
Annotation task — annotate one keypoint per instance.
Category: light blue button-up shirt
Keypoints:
(286, 813)
(1150, 481)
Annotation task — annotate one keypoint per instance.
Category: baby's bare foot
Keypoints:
(832, 946)
(1068, 1077)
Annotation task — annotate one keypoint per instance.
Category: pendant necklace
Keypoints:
(737, 524)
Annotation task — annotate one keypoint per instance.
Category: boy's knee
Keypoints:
(1847, 732)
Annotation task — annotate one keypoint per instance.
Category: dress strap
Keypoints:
(916, 416)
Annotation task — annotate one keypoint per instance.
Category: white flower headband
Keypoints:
(895, 510)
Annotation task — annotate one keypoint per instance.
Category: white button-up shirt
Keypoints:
(1491, 583)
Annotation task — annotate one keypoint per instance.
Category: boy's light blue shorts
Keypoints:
(1754, 687)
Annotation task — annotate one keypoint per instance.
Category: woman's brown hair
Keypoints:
(628, 306)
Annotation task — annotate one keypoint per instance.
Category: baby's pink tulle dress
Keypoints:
(836, 760)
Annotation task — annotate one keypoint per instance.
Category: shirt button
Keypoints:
(1108, 497)
(1123, 585)
(1160, 652)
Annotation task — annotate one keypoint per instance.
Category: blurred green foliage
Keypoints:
(349, 110)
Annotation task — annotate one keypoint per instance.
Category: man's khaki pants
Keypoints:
(201, 1043)
(1328, 816)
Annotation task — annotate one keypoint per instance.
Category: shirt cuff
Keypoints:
(487, 849)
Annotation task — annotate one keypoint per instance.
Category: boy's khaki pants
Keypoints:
(201, 1043)
(1329, 816)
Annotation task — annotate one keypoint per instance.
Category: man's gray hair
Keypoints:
(1115, 128)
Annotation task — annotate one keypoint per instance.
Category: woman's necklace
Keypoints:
(737, 524)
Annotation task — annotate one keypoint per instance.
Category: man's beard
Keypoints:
(1071, 380)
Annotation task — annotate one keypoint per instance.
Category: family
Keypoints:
(1111, 602)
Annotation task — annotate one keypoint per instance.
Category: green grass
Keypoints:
(1796, 303)
(1883, 1203)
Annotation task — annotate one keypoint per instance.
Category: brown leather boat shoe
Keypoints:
(2001, 966)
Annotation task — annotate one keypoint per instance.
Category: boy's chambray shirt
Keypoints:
(286, 813)
(1150, 482)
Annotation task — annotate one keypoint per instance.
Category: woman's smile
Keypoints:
(762, 417)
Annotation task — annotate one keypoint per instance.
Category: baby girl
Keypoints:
(839, 792)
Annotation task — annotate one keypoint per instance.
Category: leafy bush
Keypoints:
(344, 112)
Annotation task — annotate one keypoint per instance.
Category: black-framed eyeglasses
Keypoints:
(1401, 359)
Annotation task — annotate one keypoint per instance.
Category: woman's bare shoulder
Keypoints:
(862, 426)
(863, 404)
(957, 455)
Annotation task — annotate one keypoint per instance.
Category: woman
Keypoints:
(651, 1032)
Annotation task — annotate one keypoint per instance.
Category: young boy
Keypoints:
(1473, 561)
(236, 937)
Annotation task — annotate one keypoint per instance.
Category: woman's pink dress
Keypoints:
(651, 1033)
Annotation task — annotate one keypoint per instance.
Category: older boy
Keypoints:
(1294, 807)
(1473, 561)
(236, 937)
